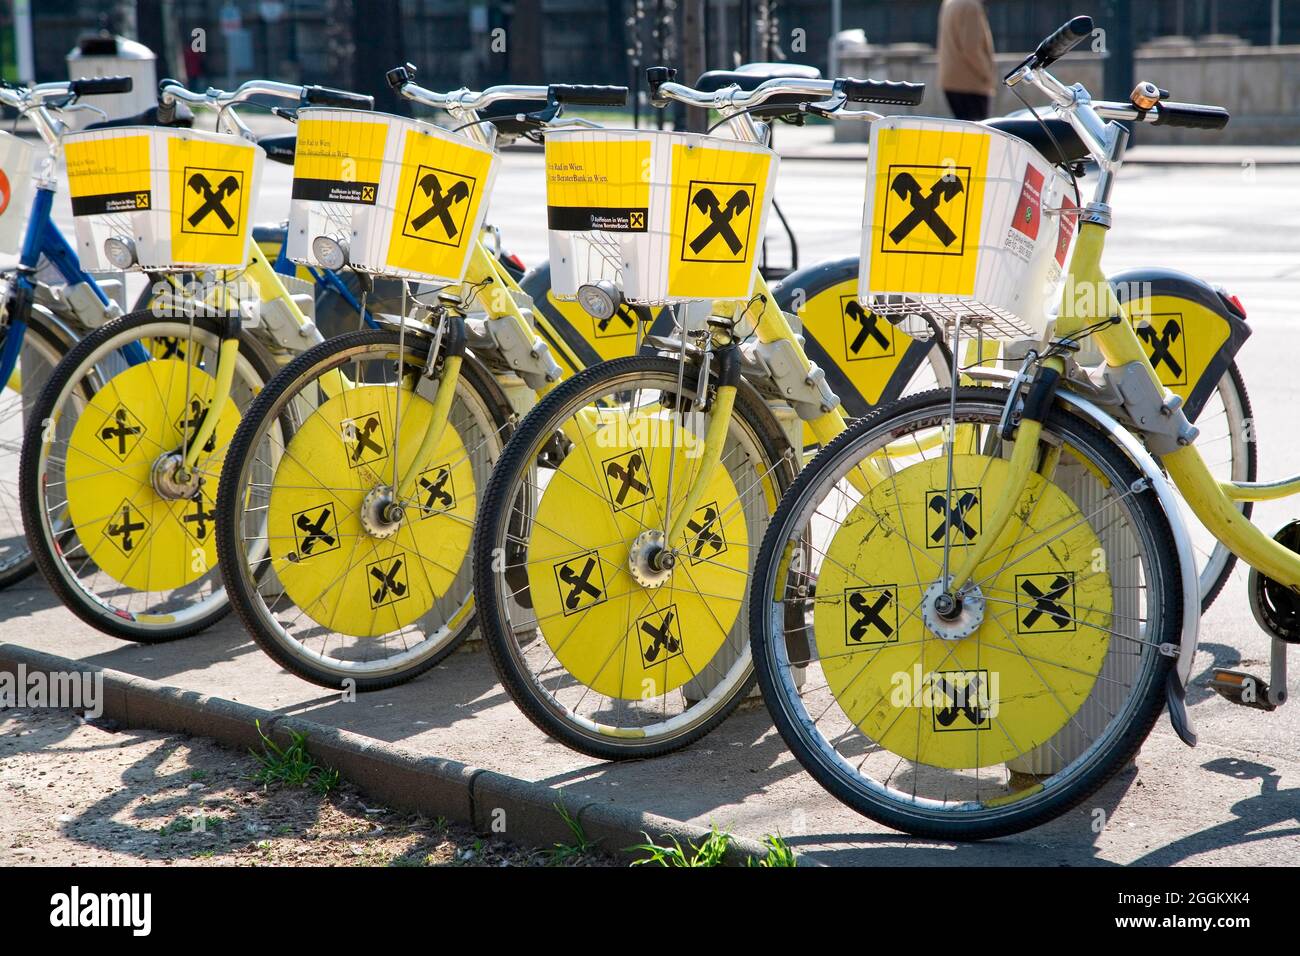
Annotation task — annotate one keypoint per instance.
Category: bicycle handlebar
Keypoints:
(733, 98)
(100, 85)
(585, 95)
(170, 92)
(884, 92)
(329, 96)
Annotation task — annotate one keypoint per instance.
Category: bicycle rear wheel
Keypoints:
(1045, 681)
(602, 650)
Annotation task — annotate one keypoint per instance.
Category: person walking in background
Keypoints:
(966, 72)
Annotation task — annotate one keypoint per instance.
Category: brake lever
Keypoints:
(73, 107)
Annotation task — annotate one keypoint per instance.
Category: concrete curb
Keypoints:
(492, 803)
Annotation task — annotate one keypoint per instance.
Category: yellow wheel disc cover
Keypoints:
(611, 633)
(339, 574)
(1015, 681)
(142, 540)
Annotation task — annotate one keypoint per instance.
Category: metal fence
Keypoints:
(587, 40)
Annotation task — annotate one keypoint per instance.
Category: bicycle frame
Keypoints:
(44, 239)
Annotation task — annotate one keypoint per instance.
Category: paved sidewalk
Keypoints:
(1215, 804)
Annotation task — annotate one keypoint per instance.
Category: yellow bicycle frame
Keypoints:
(1212, 501)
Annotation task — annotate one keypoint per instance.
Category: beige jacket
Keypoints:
(965, 48)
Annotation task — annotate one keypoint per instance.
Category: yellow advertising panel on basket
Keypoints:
(339, 160)
(439, 194)
(109, 175)
(717, 206)
(169, 199)
(211, 199)
(928, 210)
(963, 223)
(667, 217)
(393, 196)
(603, 184)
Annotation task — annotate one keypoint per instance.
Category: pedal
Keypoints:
(1242, 688)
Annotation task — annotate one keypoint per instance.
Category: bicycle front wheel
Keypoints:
(606, 650)
(124, 536)
(331, 586)
(1006, 710)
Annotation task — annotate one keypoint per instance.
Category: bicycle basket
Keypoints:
(18, 160)
(161, 199)
(962, 222)
(667, 217)
(402, 198)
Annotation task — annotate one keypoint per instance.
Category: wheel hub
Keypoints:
(952, 617)
(381, 516)
(170, 480)
(650, 562)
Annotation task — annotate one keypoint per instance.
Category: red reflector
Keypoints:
(1237, 302)
(517, 262)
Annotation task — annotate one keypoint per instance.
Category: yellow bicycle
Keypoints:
(354, 480)
(616, 534)
(971, 608)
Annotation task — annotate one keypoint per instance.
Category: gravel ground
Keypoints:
(89, 793)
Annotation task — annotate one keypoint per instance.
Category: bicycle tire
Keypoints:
(1018, 815)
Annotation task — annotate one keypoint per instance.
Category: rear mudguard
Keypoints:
(867, 360)
(1190, 330)
(576, 339)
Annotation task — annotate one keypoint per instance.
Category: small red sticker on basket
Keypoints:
(1029, 210)
(1065, 229)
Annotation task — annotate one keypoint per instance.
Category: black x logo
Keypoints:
(963, 699)
(171, 347)
(1047, 600)
(199, 517)
(579, 583)
(439, 492)
(720, 218)
(661, 637)
(440, 203)
(954, 517)
(1160, 343)
(706, 530)
(214, 199)
(126, 527)
(120, 430)
(626, 474)
(189, 423)
(318, 532)
(870, 614)
(925, 206)
(623, 313)
(361, 440)
(388, 581)
(868, 327)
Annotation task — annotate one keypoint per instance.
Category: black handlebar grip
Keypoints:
(885, 92)
(166, 111)
(1190, 116)
(101, 85)
(327, 96)
(1065, 39)
(581, 95)
(399, 76)
(657, 76)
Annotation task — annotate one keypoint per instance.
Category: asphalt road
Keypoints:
(1235, 799)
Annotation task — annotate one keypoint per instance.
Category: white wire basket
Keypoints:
(389, 195)
(667, 217)
(18, 159)
(161, 200)
(962, 223)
